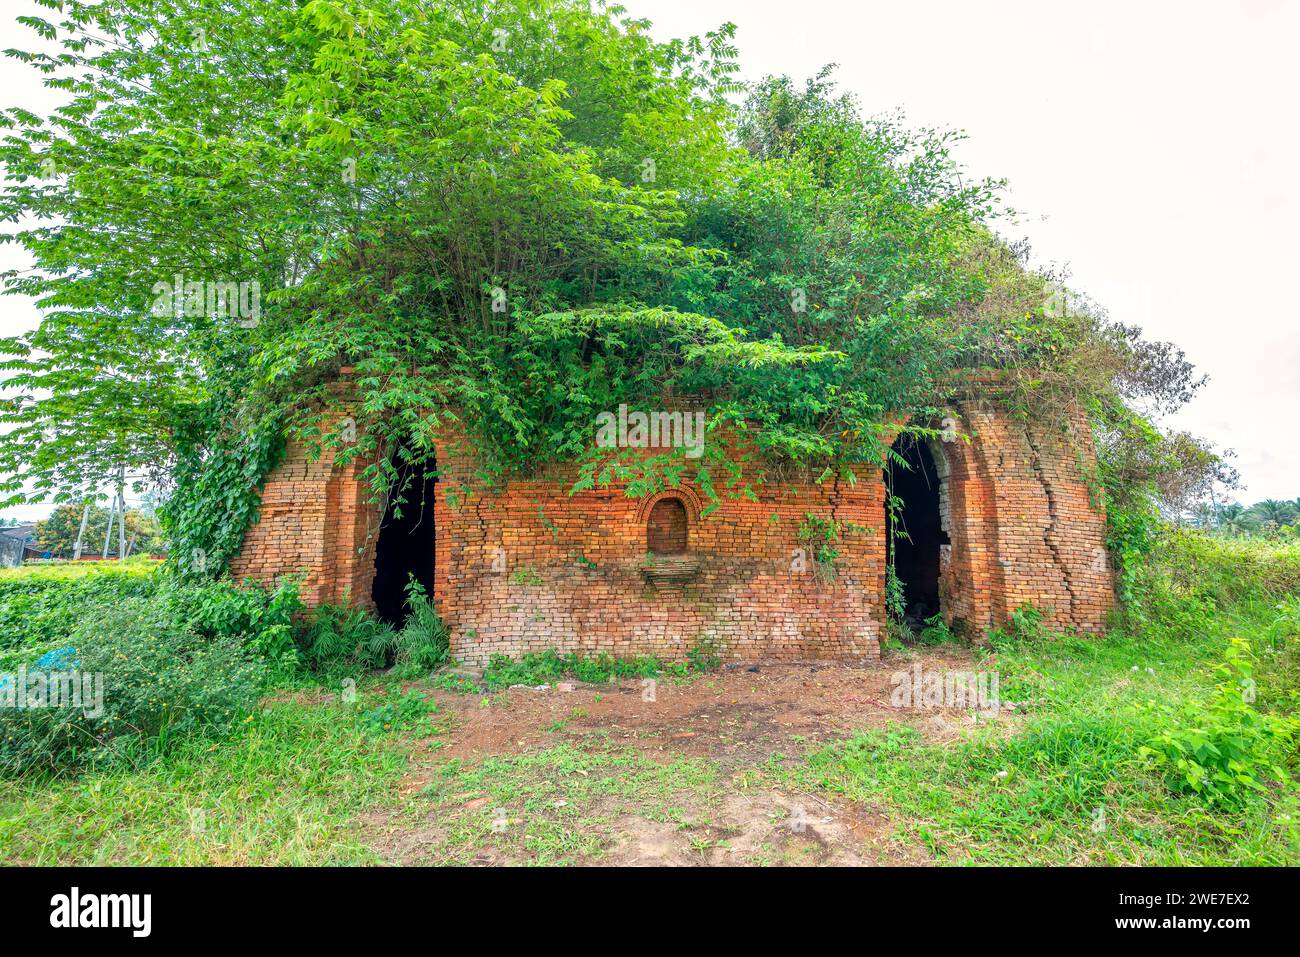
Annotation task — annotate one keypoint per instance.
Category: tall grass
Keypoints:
(1116, 757)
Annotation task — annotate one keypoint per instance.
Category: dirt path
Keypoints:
(732, 722)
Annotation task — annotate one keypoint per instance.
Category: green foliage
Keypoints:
(895, 597)
(423, 641)
(1188, 577)
(162, 681)
(218, 475)
(44, 607)
(1143, 472)
(936, 632)
(39, 608)
(704, 654)
(549, 666)
(1025, 625)
(403, 713)
(1131, 534)
(1272, 519)
(343, 639)
(1223, 747)
(525, 575)
(261, 619)
(820, 535)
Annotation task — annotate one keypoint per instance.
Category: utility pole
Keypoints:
(81, 533)
(108, 534)
(121, 521)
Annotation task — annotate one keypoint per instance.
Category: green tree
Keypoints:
(1234, 520)
(1273, 511)
(58, 532)
(505, 214)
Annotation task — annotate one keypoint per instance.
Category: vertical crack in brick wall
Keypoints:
(1051, 530)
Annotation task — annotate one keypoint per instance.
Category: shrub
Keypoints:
(422, 643)
(161, 680)
(402, 712)
(341, 639)
(705, 654)
(260, 619)
(1224, 748)
(936, 632)
(40, 608)
(1188, 576)
(1025, 625)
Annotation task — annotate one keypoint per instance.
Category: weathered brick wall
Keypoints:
(1025, 528)
(529, 567)
(314, 518)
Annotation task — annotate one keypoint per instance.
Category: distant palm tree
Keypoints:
(1234, 520)
(1275, 511)
(1204, 515)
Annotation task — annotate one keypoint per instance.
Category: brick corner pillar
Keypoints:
(1047, 535)
(315, 519)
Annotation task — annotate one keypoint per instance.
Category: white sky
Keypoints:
(1150, 147)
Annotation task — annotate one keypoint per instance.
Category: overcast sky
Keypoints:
(1151, 147)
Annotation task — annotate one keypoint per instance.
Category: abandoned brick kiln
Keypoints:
(1001, 521)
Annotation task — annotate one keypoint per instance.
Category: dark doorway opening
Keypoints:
(915, 530)
(406, 542)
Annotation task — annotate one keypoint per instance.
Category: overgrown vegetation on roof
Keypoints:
(511, 215)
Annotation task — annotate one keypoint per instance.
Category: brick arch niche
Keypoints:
(667, 529)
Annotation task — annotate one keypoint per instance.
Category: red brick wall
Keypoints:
(314, 518)
(1017, 504)
(529, 567)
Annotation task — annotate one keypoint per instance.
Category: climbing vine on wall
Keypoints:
(218, 480)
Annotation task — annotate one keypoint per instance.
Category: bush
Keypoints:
(1189, 576)
(341, 639)
(41, 607)
(1025, 625)
(423, 642)
(936, 632)
(261, 619)
(161, 680)
(1224, 749)
(704, 654)
(401, 712)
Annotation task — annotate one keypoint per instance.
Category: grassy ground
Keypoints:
(70, 570)
(285, 791)
(1069, 787)
(796, 764)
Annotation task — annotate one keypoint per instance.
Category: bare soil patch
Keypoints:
(736, 720)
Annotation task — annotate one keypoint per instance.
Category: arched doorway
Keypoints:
(407, 540)
(915, 529)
